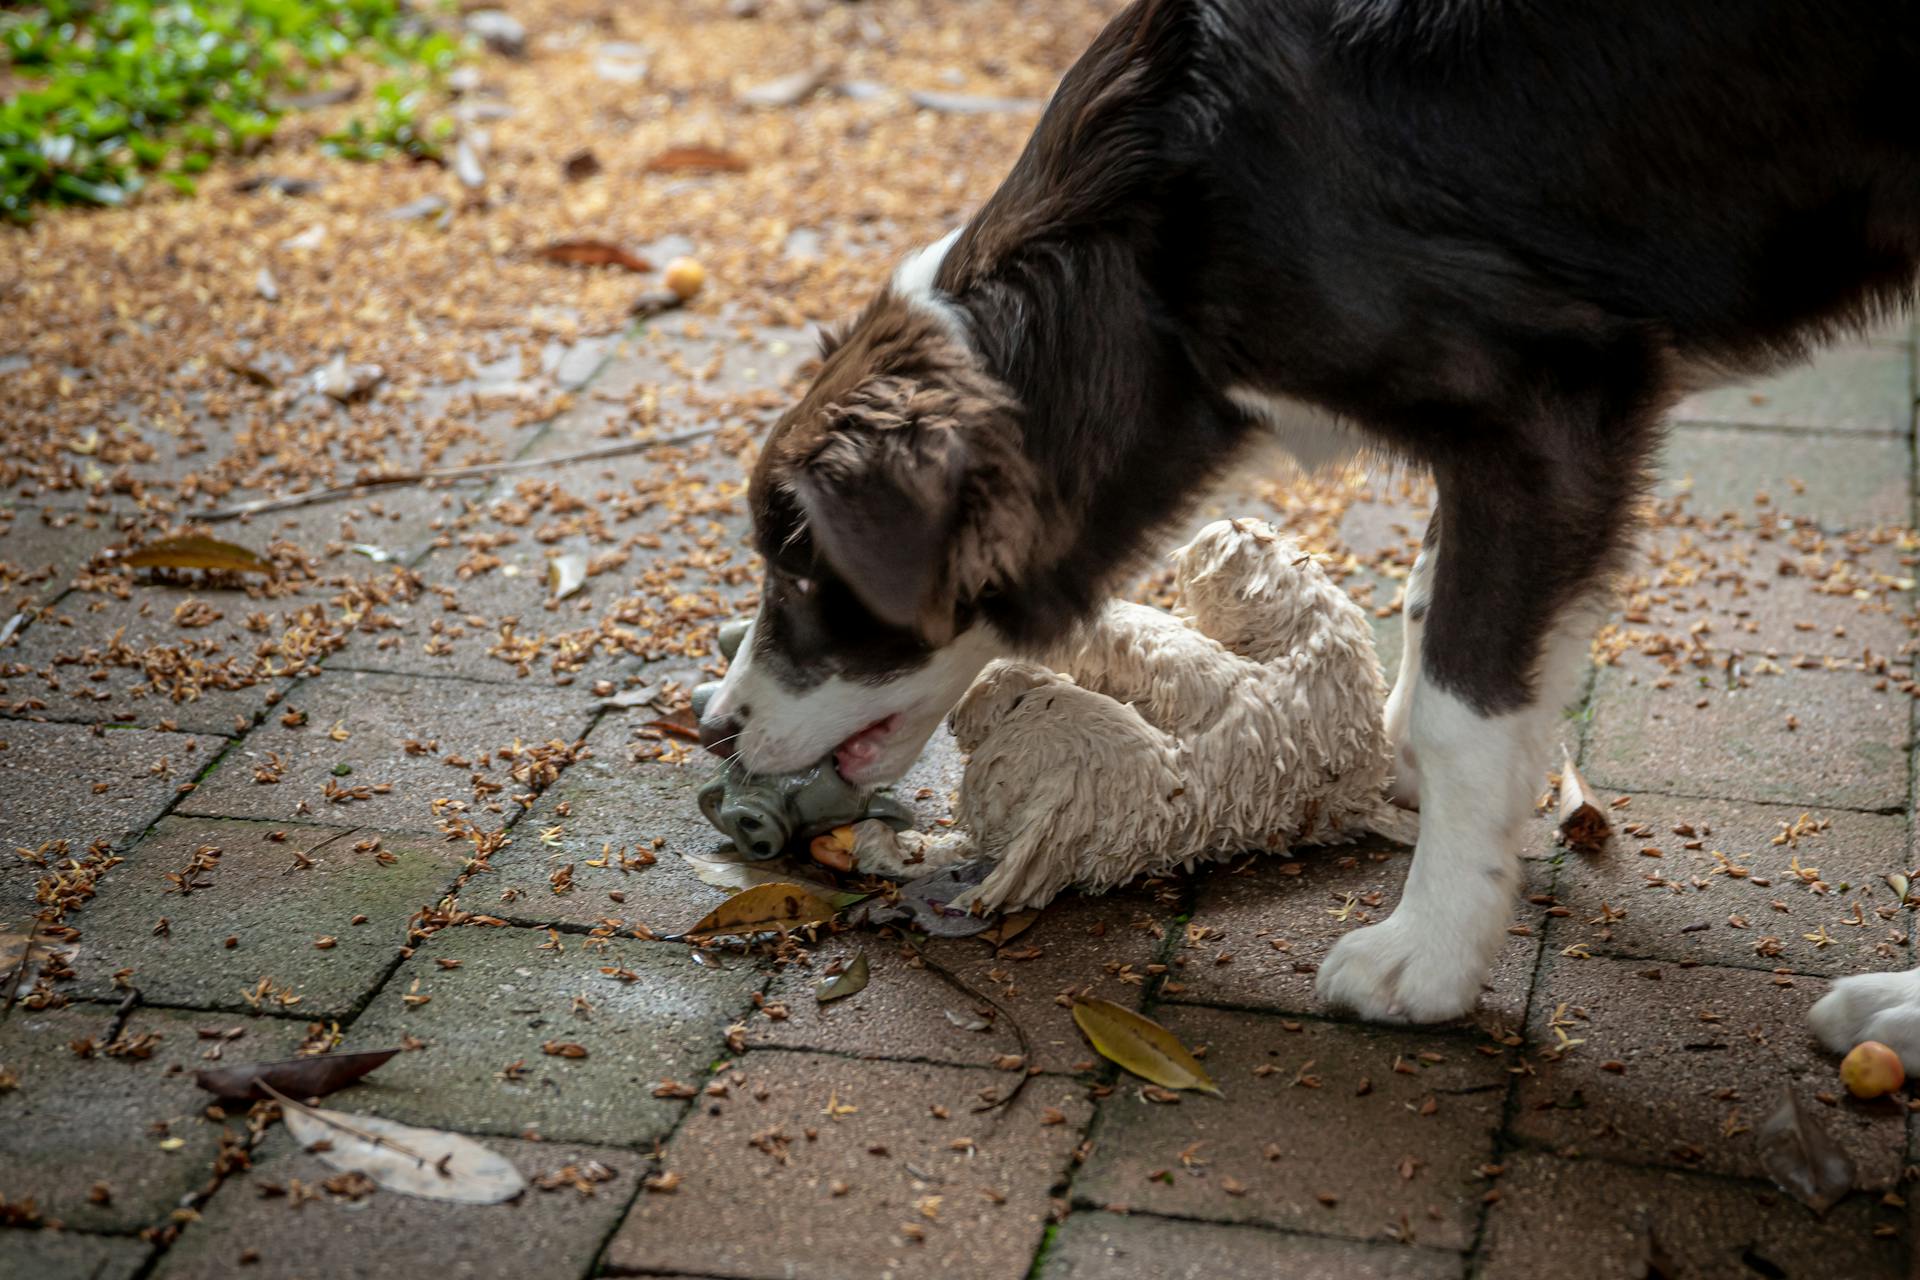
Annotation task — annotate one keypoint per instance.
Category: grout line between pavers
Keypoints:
(1273, 1229)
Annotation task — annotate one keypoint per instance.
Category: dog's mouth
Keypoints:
(857, 756)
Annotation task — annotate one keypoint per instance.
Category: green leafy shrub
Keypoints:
(109, 94)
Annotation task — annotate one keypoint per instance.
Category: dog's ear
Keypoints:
(881, 497)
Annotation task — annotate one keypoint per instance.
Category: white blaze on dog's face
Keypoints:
(888, 504)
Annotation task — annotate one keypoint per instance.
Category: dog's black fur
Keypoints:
(1497, 236)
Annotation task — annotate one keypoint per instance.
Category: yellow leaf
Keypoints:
(1009, 928)
(1141, 1045)
(195, 551)
(765, 908)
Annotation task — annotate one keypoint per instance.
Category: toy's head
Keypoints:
(764, 813)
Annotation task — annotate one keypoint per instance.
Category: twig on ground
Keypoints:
(475, 472)
(960, 984)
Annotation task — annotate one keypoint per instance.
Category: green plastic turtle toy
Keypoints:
(765, 814)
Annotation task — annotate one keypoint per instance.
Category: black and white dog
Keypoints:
(1498, 238)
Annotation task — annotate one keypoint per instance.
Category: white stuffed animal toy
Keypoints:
(1250, 718)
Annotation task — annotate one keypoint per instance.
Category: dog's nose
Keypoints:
(720, 736)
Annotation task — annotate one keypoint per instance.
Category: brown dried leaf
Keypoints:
(312, 1077)
(1582, 823)
(195, 551)
(696, 159)
(592, 253)
(766, 908)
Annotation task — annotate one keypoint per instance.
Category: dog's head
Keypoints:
(889, 505)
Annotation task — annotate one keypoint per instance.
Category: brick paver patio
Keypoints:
(394, 799)
(1751, 711)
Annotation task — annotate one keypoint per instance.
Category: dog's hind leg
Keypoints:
(1528, 527)
(1404, 789)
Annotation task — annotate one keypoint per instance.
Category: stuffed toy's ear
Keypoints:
(881, 505)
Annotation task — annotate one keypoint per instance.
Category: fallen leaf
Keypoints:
(424, 207)
(849, 981)
(1010, 927)
(766, 908)
(195, 551)
(785, 91)
(696, 159)
(566, 574)
(1582, 823)
(467, 167)
(428, 1163)
(563, 1049)
(1140, 1045)
(726, 869)
(311, 1077)
(1803, 1158)
(971, 104)
(346, 383)
(592, 253)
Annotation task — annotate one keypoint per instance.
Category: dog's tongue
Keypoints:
(863, 748)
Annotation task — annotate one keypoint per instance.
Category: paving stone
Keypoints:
(148, 672)
(508, 997)
(1683, 906)
(40, 551)
(1801, 592)
(75, 783)
(674, 373)
(74, 1122)
(1834, 482)
(666, 536)
(1108, 1246)
(547, 1233)
(1277, 919)
(1587, 1218)
(381, 714)
(770, 1154)
(68, 1255)
(1854, 389)
(1667, 1102)
(1089, 945)
(273, 911)
(1334, 1141)
(608, 799)
(1849, 750)
(119, 651)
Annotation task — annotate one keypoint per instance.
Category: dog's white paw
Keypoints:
(1396, 971)
(1871, 1006)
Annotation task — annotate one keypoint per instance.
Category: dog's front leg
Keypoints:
(1502, 648)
